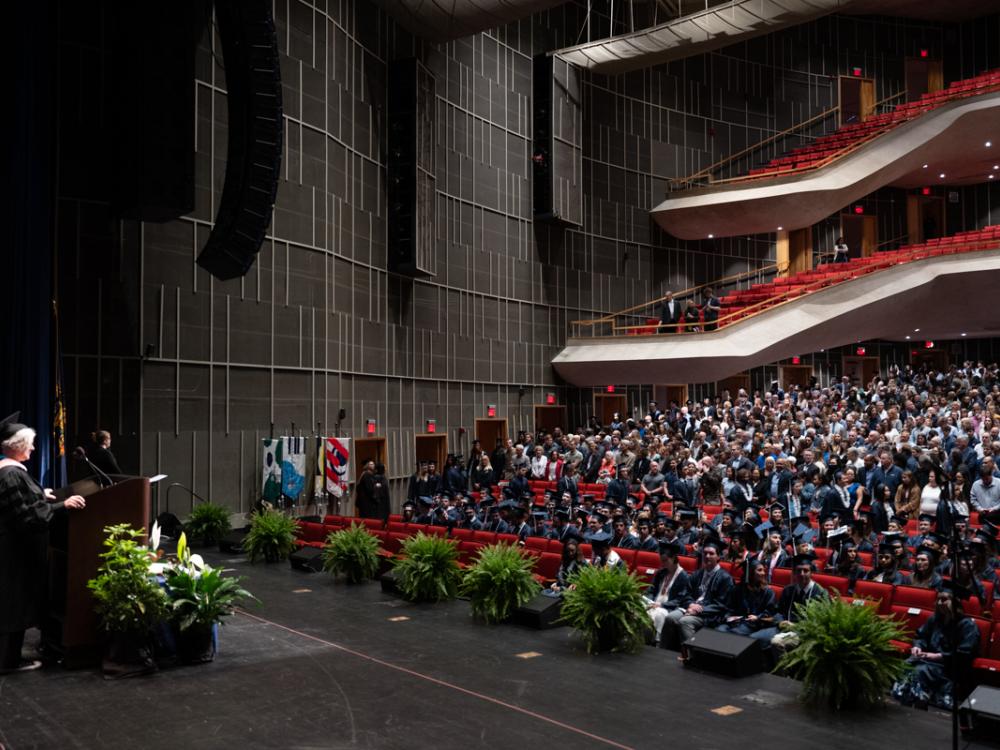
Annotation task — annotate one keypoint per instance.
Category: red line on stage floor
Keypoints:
(436, 681)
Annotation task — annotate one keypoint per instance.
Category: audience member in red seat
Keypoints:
(645, 542)
(737, 555)
(802, 590)
(924, 523)
(620, 535)
(946, 645)
(602, 556)
(846, 564)
(924, 574)
(572, 561)
(886, 570)
(752, 604)
(620, 487)
(409, 512)
(710, 587)
(670, 589)
(965, 576)
(773, 552)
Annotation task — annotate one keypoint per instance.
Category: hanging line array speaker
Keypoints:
(253, 160)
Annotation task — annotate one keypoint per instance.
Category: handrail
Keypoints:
(732, 157)
(832, 157)
(904, 235)
(921, 252)
(736, 277)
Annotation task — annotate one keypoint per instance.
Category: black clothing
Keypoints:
(104, 460)
(364, 496)
(24, 541)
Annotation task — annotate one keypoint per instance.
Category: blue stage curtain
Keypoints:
(26, 383)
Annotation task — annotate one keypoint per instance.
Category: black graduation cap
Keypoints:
(989, 529)
(539, 513)
(937, 537)
(671, 546)
(572, 533)
(548, 495)
(834, 516)
(598, 537)
(635, 499)
(582, 512)
(800, 520)
(930, 517)
(410, 504)
(562, 513)
(587, 497)
(775, 506)
(892, 538)
(688, 514)
(715, 543)
(10, 426)
(931, 553)
(730, 514)
(508, 492)
(804, 558)
(667, 521)
(955, 589)
(848, 543)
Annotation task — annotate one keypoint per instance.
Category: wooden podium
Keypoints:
(75, 544)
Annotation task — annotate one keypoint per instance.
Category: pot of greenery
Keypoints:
(352, 552)
(427, 569)
(207, 524)
(271, 536)
(606, 606)
(499, 581)
(128, 600)
(200, 598)
(845, 657)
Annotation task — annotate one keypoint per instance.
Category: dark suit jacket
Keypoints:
(667, 317)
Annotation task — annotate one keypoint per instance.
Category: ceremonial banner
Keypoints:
(293, 467)
(337, 453)
(271, 482)
(319, 475)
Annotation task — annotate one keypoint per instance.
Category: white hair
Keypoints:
(19, 442)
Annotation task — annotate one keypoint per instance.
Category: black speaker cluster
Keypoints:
(253, 84)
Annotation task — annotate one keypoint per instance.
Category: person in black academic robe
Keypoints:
(710, 587)
(752, 605)
(364, 492)
(670, 590)
(946, 645)
(25, 512)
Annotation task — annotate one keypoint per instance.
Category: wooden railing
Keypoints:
(652, 307)
(777, 299)
(704, 176)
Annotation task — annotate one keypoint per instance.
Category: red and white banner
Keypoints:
(337, 455)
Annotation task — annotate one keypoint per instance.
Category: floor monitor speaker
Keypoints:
(542, 612)
(724, 653)
(309, 559)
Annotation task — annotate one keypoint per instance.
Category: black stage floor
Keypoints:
(324, 665)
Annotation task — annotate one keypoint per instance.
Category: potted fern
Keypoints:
(271, 536)
(128, 600)
(427, 569)
(499, 582)
(606, 605)
(208, 523)
(201, 597)
(352, 552)
(845, 657)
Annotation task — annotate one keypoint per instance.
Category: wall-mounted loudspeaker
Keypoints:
(253, 85)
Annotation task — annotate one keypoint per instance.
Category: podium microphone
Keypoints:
(80, 454)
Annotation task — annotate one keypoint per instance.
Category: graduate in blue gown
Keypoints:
(943, 650)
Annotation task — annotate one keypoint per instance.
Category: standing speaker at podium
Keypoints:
(25, 512)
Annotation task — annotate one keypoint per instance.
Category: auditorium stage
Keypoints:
(325, 665)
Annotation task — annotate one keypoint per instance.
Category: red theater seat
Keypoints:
(912, 596)
(878, 592)
(910, 617)
(547, 565)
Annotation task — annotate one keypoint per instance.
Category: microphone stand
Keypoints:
(83, 454)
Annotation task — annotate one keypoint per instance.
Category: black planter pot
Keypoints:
(127, 655)
(196, 645)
